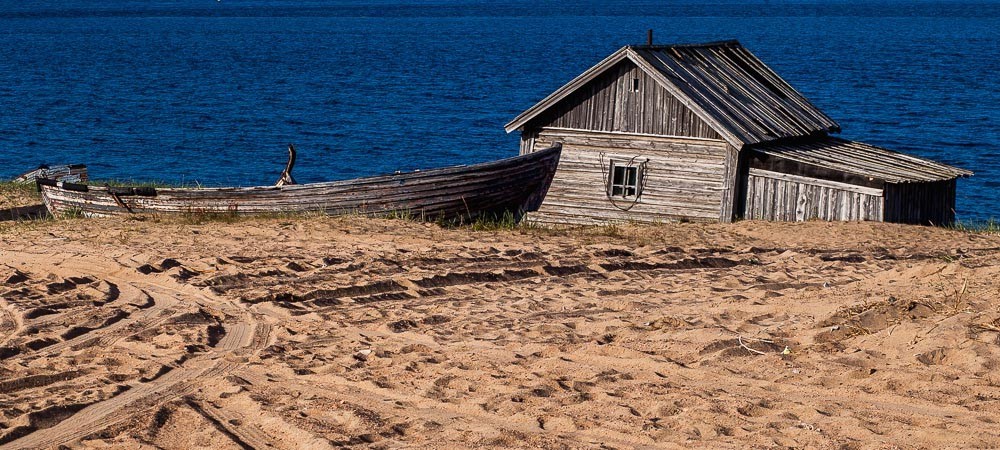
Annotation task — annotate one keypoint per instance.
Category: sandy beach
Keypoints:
(326, 332)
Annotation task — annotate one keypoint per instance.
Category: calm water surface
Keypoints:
(211, 91)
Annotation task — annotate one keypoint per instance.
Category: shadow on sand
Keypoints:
(31, 212)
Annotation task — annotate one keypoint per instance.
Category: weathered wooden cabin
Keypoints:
(710, 133)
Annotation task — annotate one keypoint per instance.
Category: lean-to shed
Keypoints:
(709, 132)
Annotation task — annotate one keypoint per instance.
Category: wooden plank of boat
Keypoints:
(516, 185)
(73, 173)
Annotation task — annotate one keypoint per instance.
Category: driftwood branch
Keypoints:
(286, 175)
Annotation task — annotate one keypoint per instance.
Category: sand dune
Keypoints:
(320, 333)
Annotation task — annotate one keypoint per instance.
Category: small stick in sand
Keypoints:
(740, 339)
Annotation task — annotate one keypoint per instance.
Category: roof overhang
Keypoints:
(861, 159)
(566, 89)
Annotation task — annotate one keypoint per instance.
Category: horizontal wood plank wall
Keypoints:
(920, 203)
(784, 197)
(609, 103)
(684, 178)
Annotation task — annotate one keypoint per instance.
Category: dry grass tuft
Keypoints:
(18, 194)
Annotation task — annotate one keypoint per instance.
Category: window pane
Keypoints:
(624, 180)
(619, 175)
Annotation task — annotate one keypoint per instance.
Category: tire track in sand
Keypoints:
(245, 336)
(162, 309)
(9, 323)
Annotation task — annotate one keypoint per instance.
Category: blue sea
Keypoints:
(211, 92)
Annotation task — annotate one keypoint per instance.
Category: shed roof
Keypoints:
(722, 83)
(863, 159)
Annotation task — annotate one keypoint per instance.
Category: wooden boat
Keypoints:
(73, 173)
(513, 185)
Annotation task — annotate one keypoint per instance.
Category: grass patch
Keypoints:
(505, 221)
(72, 213)
(989, 226)
(497, 222)
(18, 194)
(196, 217)
(397, 215)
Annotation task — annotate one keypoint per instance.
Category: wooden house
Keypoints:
(710, 133)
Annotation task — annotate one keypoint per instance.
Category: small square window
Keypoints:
(624, 180)
(635, 85)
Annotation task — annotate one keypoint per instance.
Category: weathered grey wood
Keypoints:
(635, 141)
(73, 173)
(779, 196)
(739, 92)
(684, 178)
(921, 203)
(862, 159)
(729, 180)
(678, 103)
(286, 178)
(608, 103)
(567, 89)
(913, 190)
(527, 142)
(816, 182)
(515, 185)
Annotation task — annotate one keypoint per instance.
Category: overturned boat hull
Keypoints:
(514, 185)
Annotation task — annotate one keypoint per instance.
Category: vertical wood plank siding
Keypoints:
(730, 179)
(527, 142)
(684, 178)
(920, 203)
(784, 197)
(608, 103)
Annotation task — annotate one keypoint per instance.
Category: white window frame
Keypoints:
(627, 187)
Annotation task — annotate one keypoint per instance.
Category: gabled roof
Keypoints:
(722, 83)
(862, 159)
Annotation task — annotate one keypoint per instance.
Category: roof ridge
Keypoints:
(724, 43)
(722, 83)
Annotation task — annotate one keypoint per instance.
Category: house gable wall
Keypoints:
(611, 103)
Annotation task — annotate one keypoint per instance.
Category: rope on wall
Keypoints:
(622, 203)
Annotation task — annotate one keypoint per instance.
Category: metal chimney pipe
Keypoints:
(649, 37)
